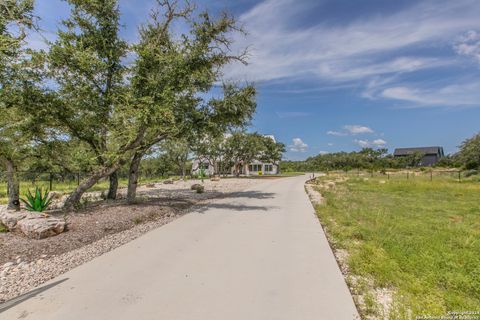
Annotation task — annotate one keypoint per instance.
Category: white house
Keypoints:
(254, 168)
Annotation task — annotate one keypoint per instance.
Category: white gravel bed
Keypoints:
(20, 277)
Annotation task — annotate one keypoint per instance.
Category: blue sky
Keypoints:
(337, 75)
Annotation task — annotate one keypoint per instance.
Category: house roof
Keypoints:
(423, 150)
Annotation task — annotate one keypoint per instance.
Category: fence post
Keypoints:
(51, 181)
(388, 175)
(459, 176)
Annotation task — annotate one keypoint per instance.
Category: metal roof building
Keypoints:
(431, 155)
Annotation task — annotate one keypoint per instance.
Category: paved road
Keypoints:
(259, 255)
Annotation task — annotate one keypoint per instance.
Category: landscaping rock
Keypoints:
(55, 195)
(150, 185)
(168, 181)
(215, 178)
(195, 186)
(39, 227)
(10, 218)
(198, 187)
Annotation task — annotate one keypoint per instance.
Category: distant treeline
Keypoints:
(467, 158)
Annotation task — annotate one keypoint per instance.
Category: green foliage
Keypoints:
(99, 110)
(272, 152)
(176, 152)
(201, 174)
(470, 173)
(469, 154)
(37, 202)
(367, 158)
(242, 148)
(3, 228)
(86, 64)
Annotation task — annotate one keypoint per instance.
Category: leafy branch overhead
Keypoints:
(104, 102)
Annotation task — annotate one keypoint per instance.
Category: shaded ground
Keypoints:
(103, 218)
(87, 227)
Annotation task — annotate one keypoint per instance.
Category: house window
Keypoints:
(268, 168)
(255, 167)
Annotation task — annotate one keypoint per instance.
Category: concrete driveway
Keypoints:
(261, 254)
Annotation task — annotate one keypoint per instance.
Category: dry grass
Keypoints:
(417, 239)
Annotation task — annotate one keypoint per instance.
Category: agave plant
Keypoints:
(38, 201)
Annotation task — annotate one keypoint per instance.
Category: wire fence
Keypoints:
(68, 181)
(425, 175)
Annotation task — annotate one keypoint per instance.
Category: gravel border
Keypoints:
(19, 277)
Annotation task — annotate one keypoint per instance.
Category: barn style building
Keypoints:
(430, 155)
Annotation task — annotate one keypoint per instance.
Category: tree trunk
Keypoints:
(184, 170)
(13, 187)
(112, 190)
(73, 199)
(133, 177)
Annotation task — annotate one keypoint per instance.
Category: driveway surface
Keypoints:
(260, 254)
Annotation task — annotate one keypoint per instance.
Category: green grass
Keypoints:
(420, 238)
(290, 174)
(65, 187)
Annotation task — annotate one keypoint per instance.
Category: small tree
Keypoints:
(19, 90)
(177, 152)
(469, 154)
(86, 64)
(210, 149)
(170, 72)
(242, 148)
(272, 151)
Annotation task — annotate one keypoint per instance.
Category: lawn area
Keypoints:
(65, 187)
(417, 237)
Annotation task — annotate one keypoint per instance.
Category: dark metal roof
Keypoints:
(422, 150)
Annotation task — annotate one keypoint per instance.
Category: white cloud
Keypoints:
(357, 49)
(357, 129)
(298, 145)
(362, 143)
(378, 143)
(469, 45)
(323, 152)
(330, 144)
(465, 94)
(336, 133)
(351, 129)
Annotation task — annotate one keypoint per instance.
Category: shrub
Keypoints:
(470, 173)
(195, 186)
(198, 188)
(37, 202)
(3, 228)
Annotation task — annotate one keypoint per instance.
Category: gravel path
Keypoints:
(28, 263)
